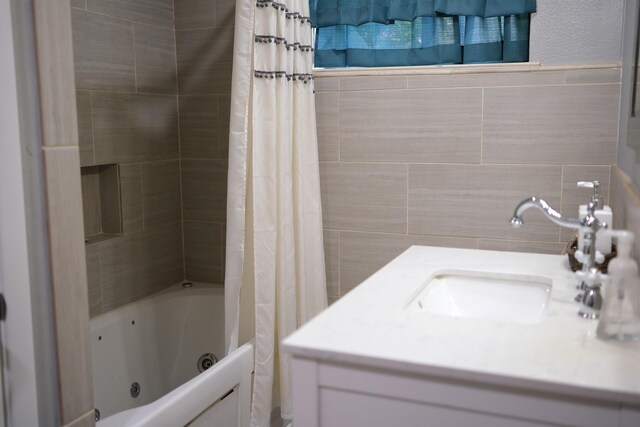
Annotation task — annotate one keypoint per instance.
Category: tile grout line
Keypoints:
(561, 200)
(407, 201)
(141, 194)
(182, 228)
(339, 123)
(135, 65)
(441, 236)
(93, 137)
(121, 18)
(100, 277)
(215, 13)
(426, 88)
(481, 126)
(403, 162)
(339, 265)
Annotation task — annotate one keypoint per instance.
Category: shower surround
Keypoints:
(153, 83)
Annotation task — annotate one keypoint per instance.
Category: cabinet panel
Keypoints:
(469, 396)
(348, 409)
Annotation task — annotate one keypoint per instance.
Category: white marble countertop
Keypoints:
(371, 327)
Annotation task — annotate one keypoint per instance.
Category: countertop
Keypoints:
(371, 327)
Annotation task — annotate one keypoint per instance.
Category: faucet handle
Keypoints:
(595, 185)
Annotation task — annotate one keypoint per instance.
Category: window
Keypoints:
(378, 33)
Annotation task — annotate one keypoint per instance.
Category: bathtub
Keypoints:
(147, 358)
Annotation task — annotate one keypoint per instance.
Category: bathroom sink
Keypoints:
(475, 295)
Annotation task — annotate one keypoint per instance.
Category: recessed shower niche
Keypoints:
(101, 202)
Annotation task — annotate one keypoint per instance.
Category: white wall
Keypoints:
(577, 31)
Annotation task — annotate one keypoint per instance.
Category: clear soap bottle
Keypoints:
(620, 314)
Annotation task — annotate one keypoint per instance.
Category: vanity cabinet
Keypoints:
(333, 395)
(373, 360)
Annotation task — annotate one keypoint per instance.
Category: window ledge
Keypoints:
(456, 69)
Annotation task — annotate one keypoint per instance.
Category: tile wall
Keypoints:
(127, 101)
(625, 203)
(405, 159)
(204, 47)
(153, 80)
(443, 160)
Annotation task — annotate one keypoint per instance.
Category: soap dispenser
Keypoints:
(620, 314)
(603, 213)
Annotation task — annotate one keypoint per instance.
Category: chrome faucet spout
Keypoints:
(591, 279)
(552, 214)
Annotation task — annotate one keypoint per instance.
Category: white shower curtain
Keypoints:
(275, 277)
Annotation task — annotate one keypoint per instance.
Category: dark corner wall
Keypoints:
(153, 83)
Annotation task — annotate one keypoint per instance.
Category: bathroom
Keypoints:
(122, 130)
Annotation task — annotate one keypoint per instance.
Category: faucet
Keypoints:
(591, 278)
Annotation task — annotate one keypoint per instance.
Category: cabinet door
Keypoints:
(340, 408)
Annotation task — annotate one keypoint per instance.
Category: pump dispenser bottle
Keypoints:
(620, 314)
(603, 213)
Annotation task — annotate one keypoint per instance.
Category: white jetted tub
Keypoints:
(147, 358)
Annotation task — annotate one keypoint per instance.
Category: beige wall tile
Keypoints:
(332, 261)
(519, 246)
(204, 60)
(411, 126)
(551, 124)
(478, 200)
(85, 127)
(131, 194)
(139, 264)
(155, 59)
(161, 193)
(159, 12)
(326, 84)
(69, 278)
(224, 117)
(625, 203)
(103, 52)
(225, 13)
(194, 14)
(134, 127)
(93, 279)
(199, 127)
(364, 197)
(92, 213)
(573, 197)
(328, 124)
(606, 75)
(362, 254)
(204, 190)
(524, 78)
(373, 83)
(203, 252)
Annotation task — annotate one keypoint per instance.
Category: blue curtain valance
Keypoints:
(379, 33)
(325, 13)
(425, 41)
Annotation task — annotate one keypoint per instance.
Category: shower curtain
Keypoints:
(275, 277)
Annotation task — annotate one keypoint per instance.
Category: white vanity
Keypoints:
(448, 337)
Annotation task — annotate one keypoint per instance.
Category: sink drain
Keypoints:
(135, 390)
(206, 361)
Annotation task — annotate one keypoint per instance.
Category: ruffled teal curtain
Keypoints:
(376, 33)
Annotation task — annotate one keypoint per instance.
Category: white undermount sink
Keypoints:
(481, 295)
